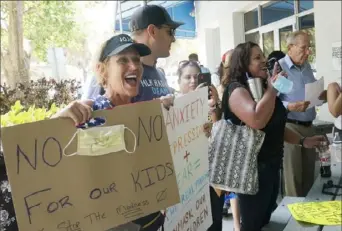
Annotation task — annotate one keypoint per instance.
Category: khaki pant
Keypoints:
(299, 164)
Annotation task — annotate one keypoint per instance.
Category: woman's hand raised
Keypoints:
(79, 111)
(167, 101)
(274, 77)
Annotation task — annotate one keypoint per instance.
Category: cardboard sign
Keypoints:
(89, 193)
(189, 148)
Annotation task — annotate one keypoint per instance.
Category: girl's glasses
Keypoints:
(187, 62)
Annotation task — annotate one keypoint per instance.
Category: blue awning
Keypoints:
(183, 11)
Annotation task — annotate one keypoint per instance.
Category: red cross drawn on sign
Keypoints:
(187, 154)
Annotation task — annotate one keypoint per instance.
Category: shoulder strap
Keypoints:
(225, 104)
(225, 98)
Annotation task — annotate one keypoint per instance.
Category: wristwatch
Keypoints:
(301, 141)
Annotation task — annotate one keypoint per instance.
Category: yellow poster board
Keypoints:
(320, 213)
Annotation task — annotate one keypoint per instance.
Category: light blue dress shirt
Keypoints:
(299, 76)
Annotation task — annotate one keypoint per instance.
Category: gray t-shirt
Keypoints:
(152, 85)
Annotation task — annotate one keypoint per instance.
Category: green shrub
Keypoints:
(42, 93)
(18, 114)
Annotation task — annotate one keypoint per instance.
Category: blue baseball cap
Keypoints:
(119, 43)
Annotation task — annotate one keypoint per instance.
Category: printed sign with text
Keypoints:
(336, 54)
(189, 149)
(52, 192)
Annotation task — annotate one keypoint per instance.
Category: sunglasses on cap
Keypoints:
(187, 62)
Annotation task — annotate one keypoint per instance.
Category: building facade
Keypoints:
(223, 25)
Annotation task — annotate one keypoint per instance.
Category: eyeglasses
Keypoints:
(184, 63)
(170, 31)
(305, 48)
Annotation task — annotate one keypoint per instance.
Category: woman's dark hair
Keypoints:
(240, 61)
(185, 63)
(277, 55)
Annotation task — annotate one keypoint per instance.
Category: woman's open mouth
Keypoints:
(131, 80)
(264, 69)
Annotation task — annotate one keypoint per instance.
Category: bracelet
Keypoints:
(301, 141)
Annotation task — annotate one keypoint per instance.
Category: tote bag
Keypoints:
(233, 154)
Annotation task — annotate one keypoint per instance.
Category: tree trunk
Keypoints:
(15, 65)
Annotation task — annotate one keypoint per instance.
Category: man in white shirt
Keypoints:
(299, 162)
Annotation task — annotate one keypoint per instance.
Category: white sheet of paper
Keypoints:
(312, 92)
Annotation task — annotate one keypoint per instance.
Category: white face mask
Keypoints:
(99, 141)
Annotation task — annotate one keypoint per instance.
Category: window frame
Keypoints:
(277, 25)
(296, 17)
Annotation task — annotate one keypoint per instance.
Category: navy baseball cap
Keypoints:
(120, 42)
(151, 14)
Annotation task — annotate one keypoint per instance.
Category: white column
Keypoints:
(115, 6)
(276, 39)
(120, 12)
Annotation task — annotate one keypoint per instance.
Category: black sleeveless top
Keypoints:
(273, 146)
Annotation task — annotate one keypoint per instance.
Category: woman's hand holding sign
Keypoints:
(79, 111)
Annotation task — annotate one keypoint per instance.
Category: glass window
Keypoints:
(277, 10)
(268, 43)
(253, 37)
(283, 34)
(305, 5)
(251, 20)
(307, 21)
(307, 24)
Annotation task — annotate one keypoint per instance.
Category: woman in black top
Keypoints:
(268, 115)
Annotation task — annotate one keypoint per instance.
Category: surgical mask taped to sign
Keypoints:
(99, 141)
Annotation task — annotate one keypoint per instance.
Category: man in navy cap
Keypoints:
(152, 26)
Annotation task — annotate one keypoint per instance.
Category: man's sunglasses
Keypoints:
(170, 31)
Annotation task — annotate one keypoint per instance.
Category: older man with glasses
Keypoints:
(299, 162)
